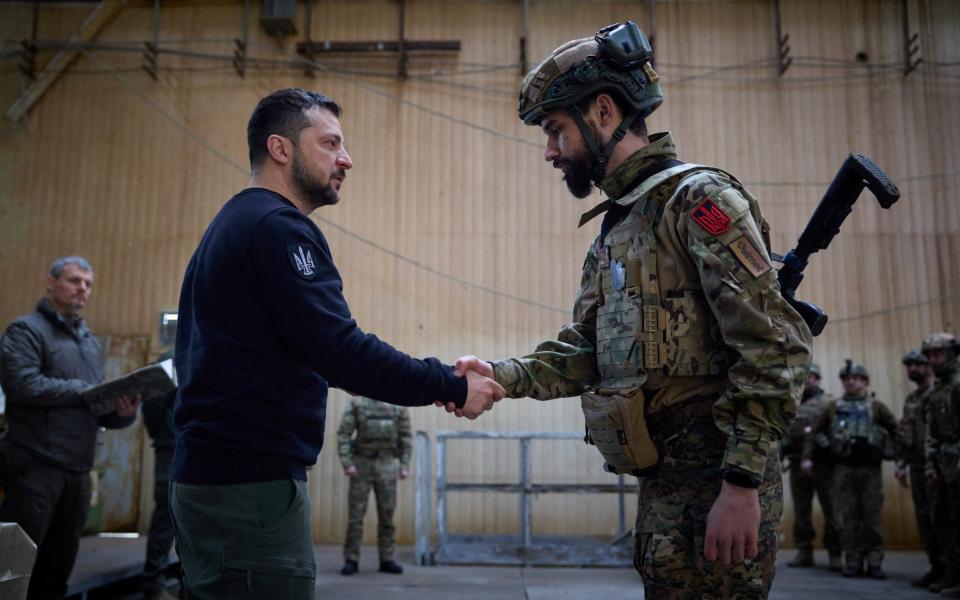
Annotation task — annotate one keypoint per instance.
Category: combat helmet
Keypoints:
(617, 60)
(815, 370)
(851, 368)
(915, 356)
(940, 340)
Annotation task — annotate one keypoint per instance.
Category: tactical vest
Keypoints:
(855, 435)
(646, 335)
(911, 430)
(376, 427)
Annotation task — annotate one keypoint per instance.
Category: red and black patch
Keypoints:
(710, 217)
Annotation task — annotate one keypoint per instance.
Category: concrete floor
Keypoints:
(102, 560)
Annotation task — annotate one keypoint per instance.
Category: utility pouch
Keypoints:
(949, 461)
(617, 427)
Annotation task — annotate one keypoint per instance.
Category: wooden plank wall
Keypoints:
(453, 235)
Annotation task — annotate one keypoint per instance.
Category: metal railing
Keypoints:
(519, 549)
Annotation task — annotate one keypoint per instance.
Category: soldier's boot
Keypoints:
(853, 566)
(953, 592)
(946, 582)
(927, 578)
(836, 562)
(804, 558)
(349, 568)
(389, 566)
(875, 572)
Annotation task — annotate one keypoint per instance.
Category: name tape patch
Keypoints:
(748, 255)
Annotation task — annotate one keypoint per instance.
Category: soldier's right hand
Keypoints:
(472, 363)
(350, 471)
(934, 481)
(471, 367)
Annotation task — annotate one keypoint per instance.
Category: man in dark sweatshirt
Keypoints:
(263, 331)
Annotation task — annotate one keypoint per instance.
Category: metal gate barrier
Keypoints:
(521, 549)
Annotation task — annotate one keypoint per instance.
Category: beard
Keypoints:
(916, 377)
(576, 174)
(313, 190)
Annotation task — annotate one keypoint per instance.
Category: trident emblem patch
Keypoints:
(301, 259)
(709, 216)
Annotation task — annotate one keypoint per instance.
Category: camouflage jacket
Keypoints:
(912, 427)
(381, 429)
(808, 413)
(942, 439)
(767, 341)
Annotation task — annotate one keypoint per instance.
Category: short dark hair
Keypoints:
(282, 113)
(639, 126)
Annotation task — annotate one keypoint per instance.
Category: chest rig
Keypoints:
(377, 426)
(646, 334)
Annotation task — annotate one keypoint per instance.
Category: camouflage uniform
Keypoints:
(858, 428)
(910, 442)
(943, 462)
(688, 329)
(803, 486)
(383, 437)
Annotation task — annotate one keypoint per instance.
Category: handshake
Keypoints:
(482, 390)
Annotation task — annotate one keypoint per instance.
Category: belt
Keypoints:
(384, 453)
(671, 421)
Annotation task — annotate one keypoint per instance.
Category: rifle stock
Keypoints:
(856, 173)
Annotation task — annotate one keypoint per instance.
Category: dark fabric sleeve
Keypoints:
(313, 320)
(21, 361)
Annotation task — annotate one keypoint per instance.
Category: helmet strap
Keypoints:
(601, 156)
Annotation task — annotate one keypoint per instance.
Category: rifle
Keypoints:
(857, 172)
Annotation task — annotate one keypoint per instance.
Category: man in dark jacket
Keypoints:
(47, 358)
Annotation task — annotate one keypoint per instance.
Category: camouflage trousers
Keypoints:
(945, 510)
(860, 495)
(672, 523)
(928, 524)
(381, 475)
(802, 488)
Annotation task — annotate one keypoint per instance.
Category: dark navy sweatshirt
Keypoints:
(263, 331)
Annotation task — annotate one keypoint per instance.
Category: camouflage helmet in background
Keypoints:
(940, 340)
(815, 370)
(615, 60)
(915, 356)
(852, 368)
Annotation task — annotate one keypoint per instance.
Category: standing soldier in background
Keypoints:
(861, 431)
(376, 457)
(158, 419)
(943, 454)
(803, 486)
(688, 361)
(912, 461)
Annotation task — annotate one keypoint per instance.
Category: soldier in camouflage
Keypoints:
(912, 461)
(803, 485)
(688, 361)
(942, 444)
(376, 457)
(861, 432)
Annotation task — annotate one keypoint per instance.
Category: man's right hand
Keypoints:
(482, 392)
(807, 466)
(350, 471)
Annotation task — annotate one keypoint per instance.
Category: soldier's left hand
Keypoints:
(732, 525)
(403, 474)
(901, 476)
(127, 406)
